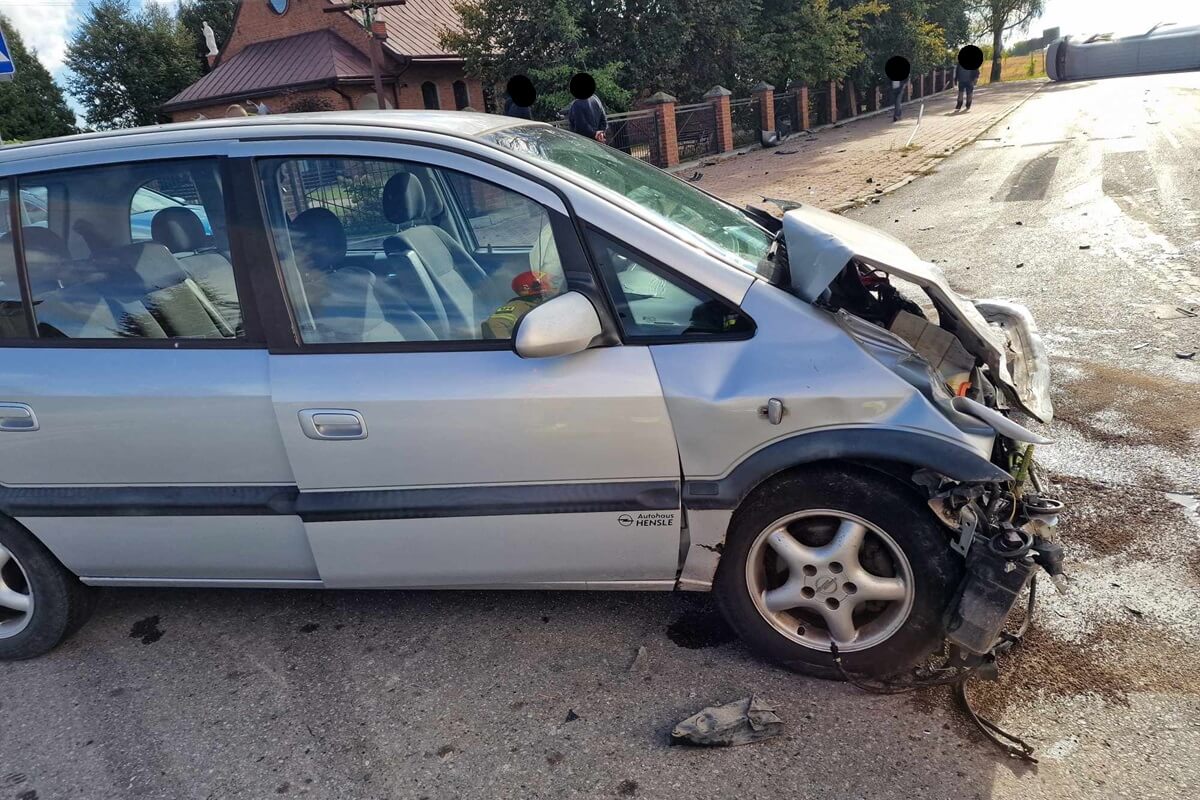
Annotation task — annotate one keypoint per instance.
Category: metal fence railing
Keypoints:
(746, 118)
(696, 130)
(636, 133)
(818, 104)
(787, 118)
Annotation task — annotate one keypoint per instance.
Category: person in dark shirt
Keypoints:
(587, 117)
(512, 109)
(966, 84)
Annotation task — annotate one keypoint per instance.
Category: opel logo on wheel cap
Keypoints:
(826, 585)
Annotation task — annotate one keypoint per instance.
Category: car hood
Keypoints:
(1003, 335)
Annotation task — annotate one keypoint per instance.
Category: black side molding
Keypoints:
(919, 450)
(339, 506)
(147, 501)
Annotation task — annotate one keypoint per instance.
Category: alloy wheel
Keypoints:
(822, 576)
(16, 596)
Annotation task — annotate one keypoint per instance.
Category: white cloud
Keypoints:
(45, 27)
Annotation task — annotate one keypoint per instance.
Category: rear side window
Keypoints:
(131, 251)
(13, 322)
(168, 189)
(655, 305)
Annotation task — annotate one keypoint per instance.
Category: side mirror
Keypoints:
(562, 325)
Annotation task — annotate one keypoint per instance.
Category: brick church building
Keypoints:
(292, 55)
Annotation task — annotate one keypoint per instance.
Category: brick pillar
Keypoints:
(802, 101)
(668, 142)
(765, 94)
(833, 90)
(719, 97)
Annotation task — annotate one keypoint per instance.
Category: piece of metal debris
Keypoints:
(1185, 354)
(1140, 346)
(744, 721)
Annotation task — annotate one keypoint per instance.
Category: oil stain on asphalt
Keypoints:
(700, 627)
(147, 630)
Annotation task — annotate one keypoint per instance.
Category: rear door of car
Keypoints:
(447, 459)
(136, 426)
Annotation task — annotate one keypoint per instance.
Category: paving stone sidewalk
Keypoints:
(844, 165)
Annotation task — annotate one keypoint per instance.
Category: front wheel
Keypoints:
(837, 555)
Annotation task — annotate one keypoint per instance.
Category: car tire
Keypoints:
(901, 543)
(58, 603)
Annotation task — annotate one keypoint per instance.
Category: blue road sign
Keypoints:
(7, 68)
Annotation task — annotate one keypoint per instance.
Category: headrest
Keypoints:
(179, 229)
(403, 199)
(318, 239)
(433, 202)
(45, 242)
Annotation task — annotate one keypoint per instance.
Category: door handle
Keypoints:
(332, 423)
(17, 417)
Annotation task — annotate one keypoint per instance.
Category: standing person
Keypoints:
(521, 95)
(586, 115)
(513, 109)
(966, 85)
(897, 70)
(970, 59)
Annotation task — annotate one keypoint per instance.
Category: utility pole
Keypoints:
(368, 9)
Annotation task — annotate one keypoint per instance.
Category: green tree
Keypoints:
(539, 38)
(812, 40)
(126, 64)
(908, 28)
(1000, 17)
(219, 14)
(31, 104)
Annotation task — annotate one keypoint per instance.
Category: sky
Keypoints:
(47, 25)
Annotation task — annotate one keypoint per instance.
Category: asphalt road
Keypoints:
(199, 694)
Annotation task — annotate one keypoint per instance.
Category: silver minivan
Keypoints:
(454, 350)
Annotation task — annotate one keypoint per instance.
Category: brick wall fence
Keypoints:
(665, 133)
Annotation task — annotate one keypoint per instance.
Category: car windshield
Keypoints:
(734, 236)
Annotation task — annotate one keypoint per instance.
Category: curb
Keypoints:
(924, 167)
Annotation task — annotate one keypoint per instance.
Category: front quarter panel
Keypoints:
(827, 382)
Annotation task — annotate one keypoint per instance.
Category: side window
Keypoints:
(497, 218)
(429, 95)
(654, 304)
(165, 190)
(13, 322)
(462, 98)
(375, 250)
(101, 269)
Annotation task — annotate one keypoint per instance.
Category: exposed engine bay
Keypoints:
(978, 363)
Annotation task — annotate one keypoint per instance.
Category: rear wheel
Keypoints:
(845, 556)
(41, 603)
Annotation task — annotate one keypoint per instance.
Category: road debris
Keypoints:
(1166, 311)
(639, 658)
(744, 721)
(1187, 355)
(1140, 346)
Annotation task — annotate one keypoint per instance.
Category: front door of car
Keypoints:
(426, 451)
